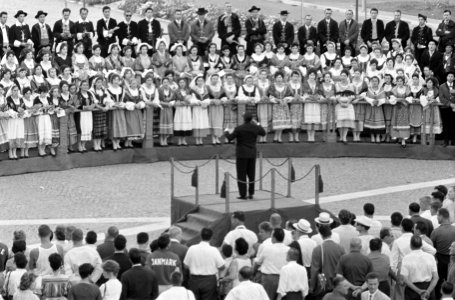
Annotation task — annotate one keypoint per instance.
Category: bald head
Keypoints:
(112, 232)
(275, 220)
(175, 233)
(356, 244)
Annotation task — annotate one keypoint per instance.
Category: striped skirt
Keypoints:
(166, 125)
(31, 132)
(264, 111)
(117, 124)
(296, 112)
(55, 130)
(281, 116)
(99, 125)
(230, 116)
(72, 131)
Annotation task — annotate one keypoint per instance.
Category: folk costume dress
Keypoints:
(114, 63)
(328, 93)
(280, 62)
(151, 94)
(116, 118)
(312, 109)
(4, 143)
(264, 106)
(166, 97)
(201, 123)
(99, 116)
(416, 109)
(37, 81)
(16, 130)
(67, 102)
(183, 122)
(281, 115)
(81, 66)
(241, 66)
(431, 115)
(400, 117)
(30, 125)
(296, 106)
(374, 115)
(258, 61)
(328, 60)
(344, 110)
(216, 112)
(44, 122)
(387, 108)
(360, 108)
(230, 106)
(97, 64)
(363, 60)
(246, 92)
(134, 118)
(86, 117)
(211, 62)
(296, 63)
(161, 62)
(311, 61)
(196, 65)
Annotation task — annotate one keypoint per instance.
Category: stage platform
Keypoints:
(211, 212)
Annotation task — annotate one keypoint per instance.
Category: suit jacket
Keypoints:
(101, 26)
(15, 34)
(7, 33)
(367, 30)
(446, 38)
(351, 33)
(435, 63)
(322, 31)
(207, 30)
(423, 39)
(377, 296)
(177, 32)
(417, 218)
(444, 95)
(246, 135)
(139, 283)
(255, 33)
(301, 35)
(123, 35)
(288, 33)
(85, 27)
(36, 36)
(403, 32)
(236, 27)
(58, 30)
(143, 31)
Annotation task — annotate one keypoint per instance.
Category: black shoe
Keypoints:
(241, 198)
(250, 197)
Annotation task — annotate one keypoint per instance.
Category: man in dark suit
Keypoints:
(42, 35)
(106, 29)
(447, 98)
(202, 32)
(246, 136)
(448, 59)
(5, 44)
(420, 37)
(446, 31)
(372, 29)
(307, 32)
(85, 31)
(283, 31)
(149, 29)
(107, 248)
(128, 31)
(139, 282)
(178, 30)
(19, 34)
(65, 31)
(255, 30)
(229, 29)
(327, 30)
(433, 59)
(348, 33)
(397, 29)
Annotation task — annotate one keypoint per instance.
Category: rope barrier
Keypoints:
(181, 171)
(276, 165)
(267, 173)
(192, 167)
(228, 161)
(298, 179)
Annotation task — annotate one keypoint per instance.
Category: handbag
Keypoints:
(322, 287)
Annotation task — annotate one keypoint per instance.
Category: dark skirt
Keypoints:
(77, 121)
(99, 125)
(72, 129)
(117, 124)
(55, 130)
(134, 124)
(156, 121)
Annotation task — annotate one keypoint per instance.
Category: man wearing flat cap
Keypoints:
(420, 37)
(255, 30)
(19, 34)
(446, 30)
(42, 35)
(65, 31)
(327, 30)
(229, 28)
(283, 32)
(202, 32)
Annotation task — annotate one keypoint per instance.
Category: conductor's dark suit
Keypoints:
(246, 136)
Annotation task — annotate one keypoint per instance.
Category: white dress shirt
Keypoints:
(402, 247)
(272, 258)
(4, 34)
(307, 246)
(293, 278)
(375, 228)
(247, 290)
(418, 266)
(111, 290)
(80, 255)
(346, 233)
(241, 232)
(203, 259)
(176, 292)
(318, 239)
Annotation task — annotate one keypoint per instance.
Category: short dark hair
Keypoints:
(19, 246)
(422, 227)
(60, 232)
(372, 275)
(344, 215)
(44, 231)
(176, 278)
(407, 225)
(325, 231)
(226, 250)
(83, 9)
(77, 235)
(3, 13)
(120, 242)
(442, 188)
(266, 226)
(368, 208)
(398, 11)
(241, 246)
(239, 215)
(85, 270)
(91, 237)
(396, 218)
(164, 241)
(278, 234)
(247, 117)
(384, 233)
(142, 238)
(337, 280)
(447, 288)
(135, 256)
(246, 272)
(436, 205)
(149, 8)
(414, 207)
(56, 261)
(20, 260)
(416, 242)
(66, 9)
(106, 8)
(448, 10)
(438, 195)
(444, 213)
(374, 9)
(375, 244)
(206, 234)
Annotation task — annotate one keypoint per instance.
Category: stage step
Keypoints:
(191, 228)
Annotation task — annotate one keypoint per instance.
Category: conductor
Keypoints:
(246, 135)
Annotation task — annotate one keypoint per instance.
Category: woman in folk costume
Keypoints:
(310, 59)
(280, 94)
(16, 130)
(117, 121)
(127, 59)
(387, 87)
(268, 50)
(127, 75)
(134, 104)
(401, 98)
(46, 62)
(161, 59)
(28, 61)
(44, 120)
(37, 79)
(62, 58)
(22, 81)
(296, 62)
(10, 62)
(212, 60)
(416, 107)
(344, 110)
(241, 65)
(430, 99)
(399, 63)
(114, 60)
(167, 97)
(410, 69)
(396, 49)
(258, 59)
(6, 81)
(180, 63)
(30, 122)
(312, 109)
(183, 123)
(216, 111)
(360, 105)
(200, 112)
(328, 105)
(143, 60)
(52, 78)
(280, 62)
(264, 106)
(336, 69)
(86, 106)
(67, 103)
(328, 58)
(379, 56)
(150, 94)
(195, 62)
(226, 62)
(374, 116)
(363, 58)
(97, 63)
(230, 103)
(55, 113)
(347, 58)
(80, 62)
(99, 114)
(247, 97)
(4, 116)
(296, 106)
(389, 68)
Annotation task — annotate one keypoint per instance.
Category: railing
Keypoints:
(184, 168)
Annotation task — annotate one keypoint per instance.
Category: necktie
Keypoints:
(307, 33)
(128, 29)
(371, 297)
(328, 30)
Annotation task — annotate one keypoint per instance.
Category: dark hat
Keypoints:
(450, 45)
(39, 13)
(20, 12)
(284, 12)
(432, 40)
(450, 72)
(254, 7)
(422, 16)
(202, 11)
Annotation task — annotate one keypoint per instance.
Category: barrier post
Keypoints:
(172, 178)
(272, 196)
(317, 172)
(226, 199)
(217, 175)
(260, 170)
(289, 177)
(197, 186)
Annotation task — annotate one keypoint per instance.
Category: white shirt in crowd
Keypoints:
(318, 238)
(307, 246)
(13, 280)
(347, 233)
(77, 256)
(247, 290)
(241, 232)
(176, 292)
(272, 258)
(375, 228)
(293, 278)
(402, 246)
(203, 259)
(434, 219)
(287, 237)
(111, 289)
(418, 266)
